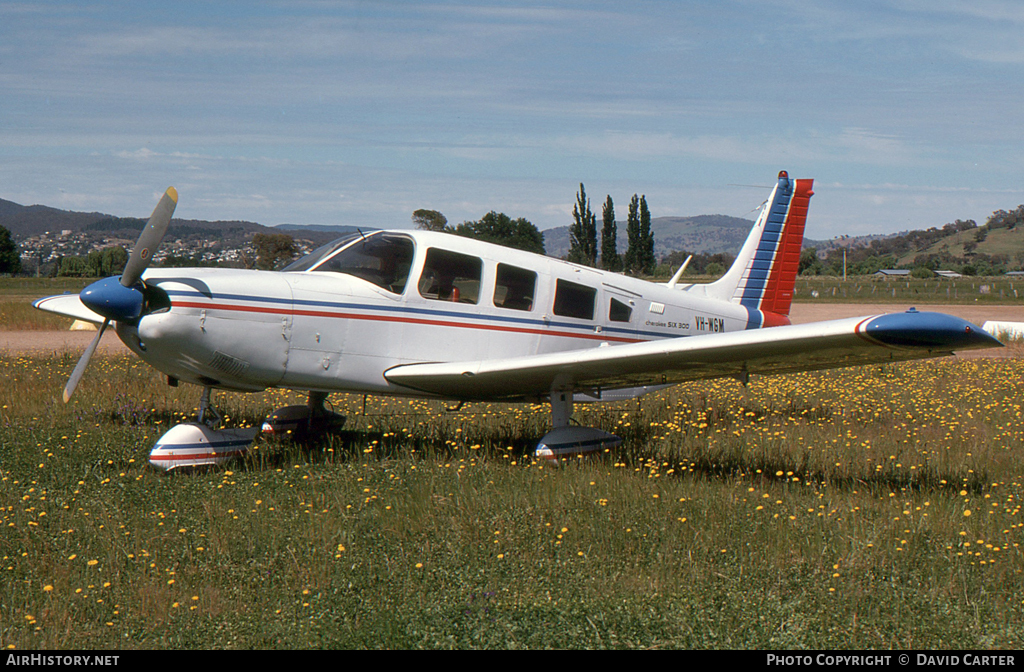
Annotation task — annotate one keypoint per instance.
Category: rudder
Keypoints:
(764, 274)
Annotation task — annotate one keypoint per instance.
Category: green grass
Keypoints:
(870, 289)
(19, 315)
(17, 295)
(35, 288)
(999, 290)
(820, 510)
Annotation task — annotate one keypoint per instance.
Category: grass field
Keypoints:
(17, 295)
(860, 508)
(870, 289)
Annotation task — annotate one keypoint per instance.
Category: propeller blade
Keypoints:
(76, 375)
(149, 239)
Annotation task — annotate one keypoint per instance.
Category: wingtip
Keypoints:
(173, 193)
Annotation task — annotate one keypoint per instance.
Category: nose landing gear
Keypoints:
(194, 444)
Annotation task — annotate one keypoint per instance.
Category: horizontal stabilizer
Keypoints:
(68, 305)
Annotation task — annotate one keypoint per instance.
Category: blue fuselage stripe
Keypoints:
(419, 312)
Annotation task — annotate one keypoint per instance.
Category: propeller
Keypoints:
(121, 299)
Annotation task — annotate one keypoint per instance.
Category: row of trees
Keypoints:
(584, 247)
(10, 260)
(639, 257)
(494, 227)
(925, 265)
(96, 264)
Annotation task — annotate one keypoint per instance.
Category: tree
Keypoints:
(610, 259)
(73, 267)
(430, 220)
(646, 258)
(631, 259)
(499, 228)
(583, 232)
(10, 260)
(715, 269)
(922, 272)
(639, 258)
(272, 248)
(106, 262)
(809, 262)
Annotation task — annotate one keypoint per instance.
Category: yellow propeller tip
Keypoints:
(173, 193)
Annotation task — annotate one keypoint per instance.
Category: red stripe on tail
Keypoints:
(778, 293)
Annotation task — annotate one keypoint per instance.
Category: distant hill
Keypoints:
(991, 249)
(994, 247)
(707, 234)
(1003, 242)
(25, 221)
(31, 220)
(339, 229)
(321, 233)
(825, 247)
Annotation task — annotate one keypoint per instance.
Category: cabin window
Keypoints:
(382, 259)
(572, 300)
(450, 276)
(619, 311)
(514, 288)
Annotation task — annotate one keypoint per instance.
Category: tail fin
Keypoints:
(764, 273)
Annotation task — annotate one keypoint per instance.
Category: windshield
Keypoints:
(316, 256)
(382, 259)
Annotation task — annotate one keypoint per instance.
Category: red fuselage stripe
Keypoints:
(404, 320)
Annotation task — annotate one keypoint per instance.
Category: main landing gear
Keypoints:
(304, 422)
(193, 444)
(565, 440)
(201, 443)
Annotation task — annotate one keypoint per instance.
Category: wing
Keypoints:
(68, 305)
(805, 347)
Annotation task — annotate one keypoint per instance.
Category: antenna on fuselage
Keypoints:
(671, 284)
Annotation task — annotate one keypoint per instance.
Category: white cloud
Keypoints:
(142, 153)
(850, 144)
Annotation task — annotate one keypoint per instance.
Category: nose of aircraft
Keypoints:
(109, 298)
(120, 299)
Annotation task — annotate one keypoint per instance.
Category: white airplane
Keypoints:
(418, 313)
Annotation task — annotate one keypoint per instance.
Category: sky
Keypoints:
(907, 113)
